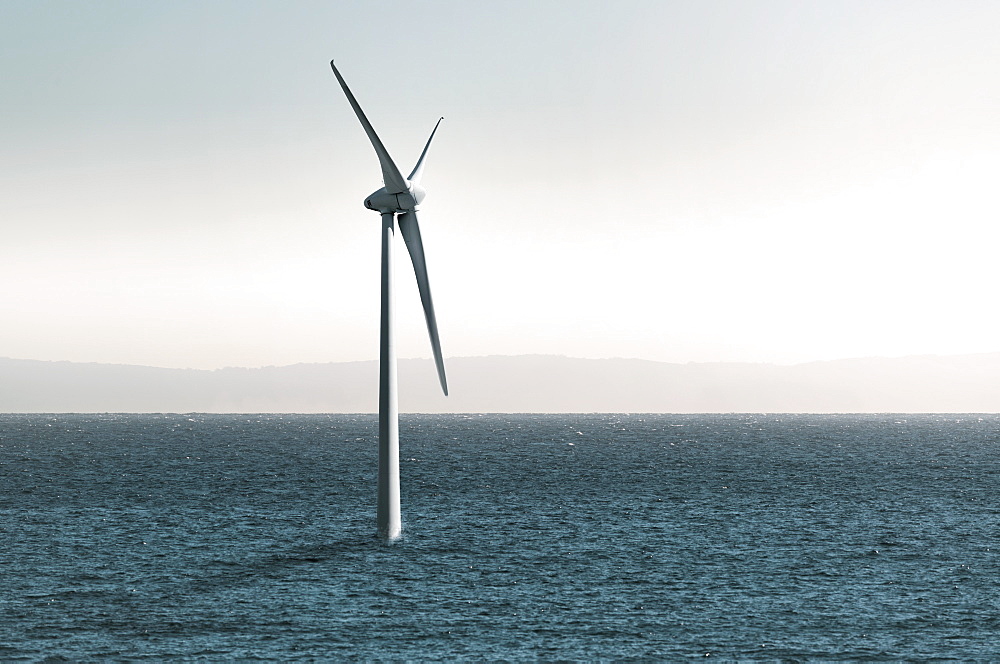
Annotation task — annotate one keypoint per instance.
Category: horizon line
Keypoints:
(513, 356)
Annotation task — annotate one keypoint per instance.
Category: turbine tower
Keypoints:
(400, 196)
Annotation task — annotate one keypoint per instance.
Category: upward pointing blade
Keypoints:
(394, 182)
(418, 170)
(411, 235)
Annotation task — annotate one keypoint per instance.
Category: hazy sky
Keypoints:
(182, 182)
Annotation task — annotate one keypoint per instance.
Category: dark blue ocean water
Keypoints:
(561, 537)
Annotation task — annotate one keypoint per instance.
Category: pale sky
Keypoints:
(676, 181)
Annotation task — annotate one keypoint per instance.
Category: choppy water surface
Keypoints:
(549, 537)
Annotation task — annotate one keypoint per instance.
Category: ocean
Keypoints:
(541, 537)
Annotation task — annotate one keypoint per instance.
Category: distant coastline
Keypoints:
(516, 384)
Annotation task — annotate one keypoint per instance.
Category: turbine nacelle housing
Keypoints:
(383, 201)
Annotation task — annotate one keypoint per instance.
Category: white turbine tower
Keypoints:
(400, 196)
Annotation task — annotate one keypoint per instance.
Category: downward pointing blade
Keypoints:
(394, 182)
(411, 235)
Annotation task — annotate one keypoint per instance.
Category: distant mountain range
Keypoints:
(518, 384)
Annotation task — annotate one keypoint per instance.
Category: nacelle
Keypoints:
(383, 201)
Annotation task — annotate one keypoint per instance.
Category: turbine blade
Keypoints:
(411, 235)
(418, 170)
(393, 179)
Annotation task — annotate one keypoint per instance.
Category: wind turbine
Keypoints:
(400, 196)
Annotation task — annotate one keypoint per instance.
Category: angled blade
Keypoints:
(394, 182)
(411, 235)
(418, 170)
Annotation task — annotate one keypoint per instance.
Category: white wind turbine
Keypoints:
(400, 196)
